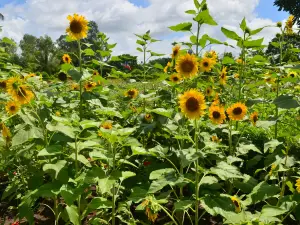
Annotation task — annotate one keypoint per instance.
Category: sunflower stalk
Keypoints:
(197, 176)
(80, 82)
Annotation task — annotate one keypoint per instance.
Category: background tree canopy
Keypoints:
(291, 6)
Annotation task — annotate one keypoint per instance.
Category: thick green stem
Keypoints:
(197, 177)
(181, 188)
(113, 197)
(80, 82)
(197, 45)
(55, 210)
(230, 138)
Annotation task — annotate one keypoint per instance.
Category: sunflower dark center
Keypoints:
(76, 26)
(192, 104)
(187, 66)
(21, 92)
(208, 91)
(175, 52)
(90, 85)
(236, 204)
(216, 114)
(175, 79)
(12, 108)
(292, 75)
(131, 92)
(255, 118)
(3, 84)
(222, 75)
(237, 111)
(205, 64)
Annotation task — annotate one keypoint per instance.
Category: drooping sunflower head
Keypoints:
(62, 76)
(217, 114)
(132, 93)
(23, 95)
(192, 104)
(236, 203)
(175, 78)
(5, 131)
(215, 138)
(89, 86)
(167, 67)
(254, 118)
(208, 91)
(107, 125)
(95, 73)
(175, 51)
(206, 64)
(12, 107)
(236, 76)
(75, 87)
(187, 66)
(289, 24)
(13, 84)
(293, 74)
(237, 111)
(78, 27)
(66, 59)
(148, 117)
(223, 76)
(269, 79)
(211, 54)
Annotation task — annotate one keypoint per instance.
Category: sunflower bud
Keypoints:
(204, 7)
(278, 35)
(279, 24)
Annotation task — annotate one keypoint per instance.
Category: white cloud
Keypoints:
(120, 19)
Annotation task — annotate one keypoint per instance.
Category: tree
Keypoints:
(292, 42)
(291, 6)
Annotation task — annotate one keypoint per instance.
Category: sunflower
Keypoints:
(192, 104)
(12, 107)
(95, 73)
(78, 27)
(217, 114)
(239, 61)
(57, 113)
(187, 66)
(269, 79)
(236, 203)
(29, 75)
(89, 86)
(236, 76)
(289, 24)
(254, 118)
(215, 138)
(208, 91)
(106, 125)
(298, 185)
(223, 76)
(212, 54)
(148, 117)
(75, 87)
(175, 78)
(13, 84)
(292, 74)
(62, 76)
(216, 101)
(66, 59)
(175, 51)
(132, 93)
(206, 64)
(167, 67)
(237, 111)
(5, 131)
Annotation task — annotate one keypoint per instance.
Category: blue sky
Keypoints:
(265, 8)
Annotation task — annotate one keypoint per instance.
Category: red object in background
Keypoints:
(147, 163)
(15, 223)
(15, 173)
(127, 67)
